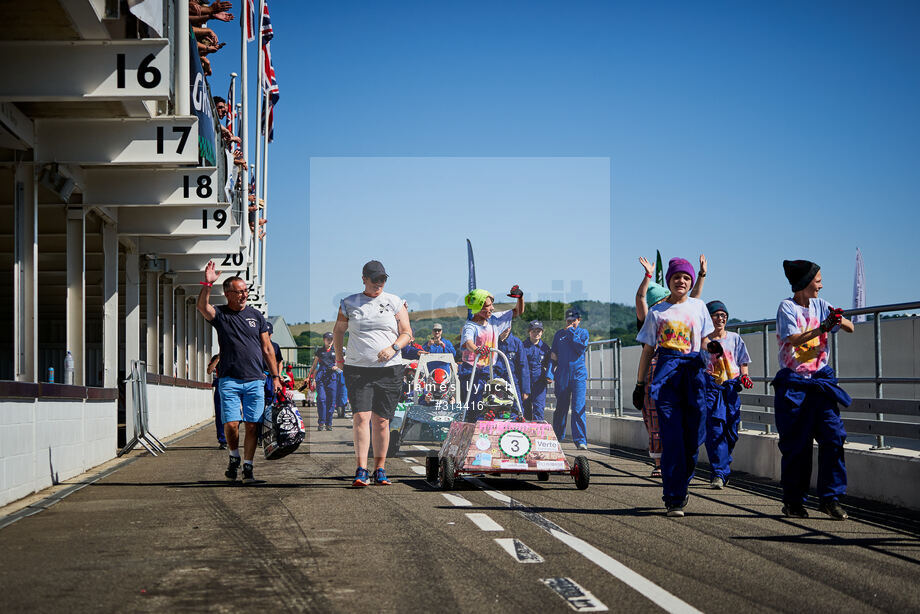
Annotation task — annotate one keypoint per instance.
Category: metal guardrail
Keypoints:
(607, 399)
(879, 405)
(142, 434)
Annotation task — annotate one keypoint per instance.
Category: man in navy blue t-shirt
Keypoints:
(242, 333)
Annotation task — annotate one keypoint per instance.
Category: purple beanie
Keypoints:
(679, 265)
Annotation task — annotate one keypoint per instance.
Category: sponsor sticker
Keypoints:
(545, 445)
(551, 465)
(483, 459)
(483, 443)
(513, 465)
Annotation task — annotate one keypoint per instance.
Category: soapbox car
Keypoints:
(494, 439)
(431, 404)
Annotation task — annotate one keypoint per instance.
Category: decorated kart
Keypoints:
(495, 439)
(431, 403)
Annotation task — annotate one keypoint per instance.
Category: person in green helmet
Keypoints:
(479, 335)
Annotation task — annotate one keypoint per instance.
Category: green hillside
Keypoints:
(603, 321)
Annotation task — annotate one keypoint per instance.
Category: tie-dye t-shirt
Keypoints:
(728, 365)
(793, 319)
(680, 327)
(485, 334)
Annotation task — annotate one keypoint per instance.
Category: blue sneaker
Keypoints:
(362, 478)
(380, 477)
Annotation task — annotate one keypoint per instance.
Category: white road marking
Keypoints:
(409, 459)
(642, 585)
(578, 598)
(418, 469)
(422, 448)
(457, 500)
(519, 550)
(484, 522)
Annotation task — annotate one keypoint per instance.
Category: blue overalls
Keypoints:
(807, 410)
(679, 391)
(514, 350)
(218, 415)
(571, 377)
(341, 392)
(722, 417)
(536, 362)
(326, 383)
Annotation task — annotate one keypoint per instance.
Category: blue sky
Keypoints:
(750, 132)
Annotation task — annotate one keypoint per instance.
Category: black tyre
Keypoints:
(393, 448)
(581, 472)
(542, 476)
(446, 475)
(431, 468)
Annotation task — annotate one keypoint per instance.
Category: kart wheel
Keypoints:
(542, 476)
(393, 448)
(581, 472)
(431, 468)
(446, 476)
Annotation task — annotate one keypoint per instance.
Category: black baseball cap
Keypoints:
(327, 335)
(572, 314)
(536, 324)
(373, 270)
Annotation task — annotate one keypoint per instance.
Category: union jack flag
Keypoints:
(231, 114)
(250, 20)
(267, 32)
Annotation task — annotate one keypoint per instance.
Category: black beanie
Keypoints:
(800, 273)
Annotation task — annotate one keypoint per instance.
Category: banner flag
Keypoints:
(859, 287)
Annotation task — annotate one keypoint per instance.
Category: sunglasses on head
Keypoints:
(379, 279)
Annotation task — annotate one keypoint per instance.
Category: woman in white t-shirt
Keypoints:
(378, 328)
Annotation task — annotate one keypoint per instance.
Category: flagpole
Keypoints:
(244, 126)
(259, 70)
(268, 111)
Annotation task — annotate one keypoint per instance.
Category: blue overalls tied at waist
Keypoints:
(671, 364)
(722, 399)
(793, 388)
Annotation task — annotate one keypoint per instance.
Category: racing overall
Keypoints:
(326, 383)
(514, 350)
(571, 378)
(722, 417)
(679, 392)
(438, 348)
(806, 410)
(341, 392)
(536, 362)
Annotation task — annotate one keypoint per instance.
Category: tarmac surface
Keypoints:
(170, 534)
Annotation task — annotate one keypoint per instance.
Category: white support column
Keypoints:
(181, 351)
(169, 346)
(110, 306)
(25, 275)
(182, 86)
(76, 279)
(190, 315)
(132, 324)
(244, 119)
(152, 270)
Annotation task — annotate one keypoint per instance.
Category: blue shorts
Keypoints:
(241, 399)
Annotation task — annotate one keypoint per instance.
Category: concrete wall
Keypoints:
(890, 476)
(44, 441)
(176, 408)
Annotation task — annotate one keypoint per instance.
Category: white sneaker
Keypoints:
(581, 446)
(717, 483)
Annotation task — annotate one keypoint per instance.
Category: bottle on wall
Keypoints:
(68, 368)
(50, 375)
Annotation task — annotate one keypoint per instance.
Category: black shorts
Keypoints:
(374, 389)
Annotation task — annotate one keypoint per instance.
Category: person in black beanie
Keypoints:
(807, 395)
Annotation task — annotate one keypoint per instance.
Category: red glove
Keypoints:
(516, 292)
(746, 382)
(483, 351)
(833, 319)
